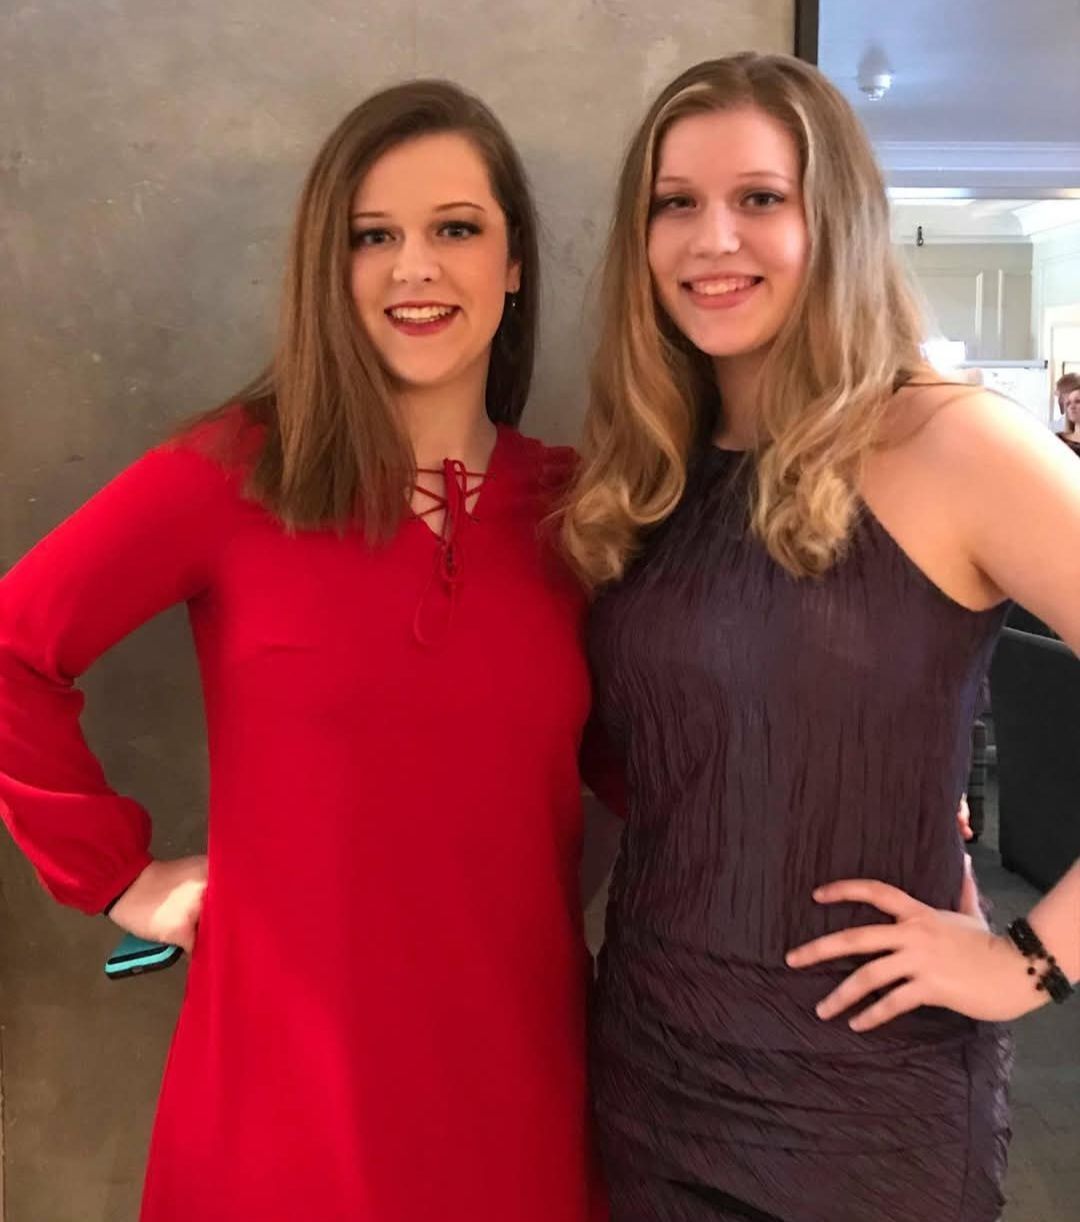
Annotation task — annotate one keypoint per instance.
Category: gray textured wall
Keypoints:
(150, 153)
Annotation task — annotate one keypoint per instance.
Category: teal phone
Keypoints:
(134, 956)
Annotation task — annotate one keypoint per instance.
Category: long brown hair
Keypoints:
(853, 335)
(332, 448)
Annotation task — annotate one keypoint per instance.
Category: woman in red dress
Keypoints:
(384, 1016)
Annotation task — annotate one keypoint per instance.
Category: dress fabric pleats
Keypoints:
(777, 734)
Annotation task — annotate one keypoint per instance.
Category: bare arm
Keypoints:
(1022, 491)
(1008, 494)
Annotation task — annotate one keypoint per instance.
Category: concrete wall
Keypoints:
(149, 158)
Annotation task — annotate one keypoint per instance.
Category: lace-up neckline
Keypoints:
(461, 486)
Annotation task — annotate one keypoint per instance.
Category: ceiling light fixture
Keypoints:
(874, 74)
(876, 86)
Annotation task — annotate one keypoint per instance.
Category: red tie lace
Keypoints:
(449, 567)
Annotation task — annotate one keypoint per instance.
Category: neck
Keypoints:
(736, 379)
(449, 421)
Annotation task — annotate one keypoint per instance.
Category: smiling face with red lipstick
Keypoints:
(431, 265)
(728, 241)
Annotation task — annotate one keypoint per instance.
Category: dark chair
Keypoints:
(977, 778)
(1035, 691)
(1022, 618)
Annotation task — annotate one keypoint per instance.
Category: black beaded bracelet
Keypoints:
(1051, 980)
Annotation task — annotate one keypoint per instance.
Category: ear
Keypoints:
(513, 276)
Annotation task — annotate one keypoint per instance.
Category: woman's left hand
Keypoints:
(928, 957)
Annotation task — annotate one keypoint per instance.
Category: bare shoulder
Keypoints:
(965, 428)
(983, 497)
(942, 413)
(957, 473)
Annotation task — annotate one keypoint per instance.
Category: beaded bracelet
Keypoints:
(1052, 979)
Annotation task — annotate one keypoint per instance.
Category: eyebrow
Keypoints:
(458, 203)
(678, 180)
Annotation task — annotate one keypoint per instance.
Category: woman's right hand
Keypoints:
(165, 902)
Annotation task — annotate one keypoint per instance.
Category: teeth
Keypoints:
(420, 313)
(714, 288)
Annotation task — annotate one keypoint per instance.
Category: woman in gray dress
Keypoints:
(802, 544)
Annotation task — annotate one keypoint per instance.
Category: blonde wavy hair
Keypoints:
(852, 337)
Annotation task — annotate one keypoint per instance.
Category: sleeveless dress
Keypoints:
(777, 734)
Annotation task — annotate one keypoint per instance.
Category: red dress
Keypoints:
(384, 1017)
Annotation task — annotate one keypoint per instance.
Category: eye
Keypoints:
(458, 230)
(369, 237)
(758, 200)
(670, 203)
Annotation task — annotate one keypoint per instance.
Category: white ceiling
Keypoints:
(985, 93)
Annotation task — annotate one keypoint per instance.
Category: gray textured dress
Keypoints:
(777, 734)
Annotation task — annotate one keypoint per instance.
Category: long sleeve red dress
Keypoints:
(384, 1014)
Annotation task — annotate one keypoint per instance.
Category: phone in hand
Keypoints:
(135, 956)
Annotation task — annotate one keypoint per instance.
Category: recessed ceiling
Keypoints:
(989, 89)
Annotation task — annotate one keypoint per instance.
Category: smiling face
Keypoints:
(1071, 406)
(431, 264)
(728, 243)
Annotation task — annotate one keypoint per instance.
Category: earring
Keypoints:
(513, 299)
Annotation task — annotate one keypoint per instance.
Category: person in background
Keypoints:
(1064, 384)
(385, 1009)
(1068, 397)
(802, 545)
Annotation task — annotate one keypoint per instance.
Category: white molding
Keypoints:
(1068, 236)
(928, 259)
(980, 278)
(1046, 217)
(981, 156)
(936, 193)
(1006, 169)
(961, 239)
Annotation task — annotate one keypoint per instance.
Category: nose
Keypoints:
(717, 231)
(416, 262)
